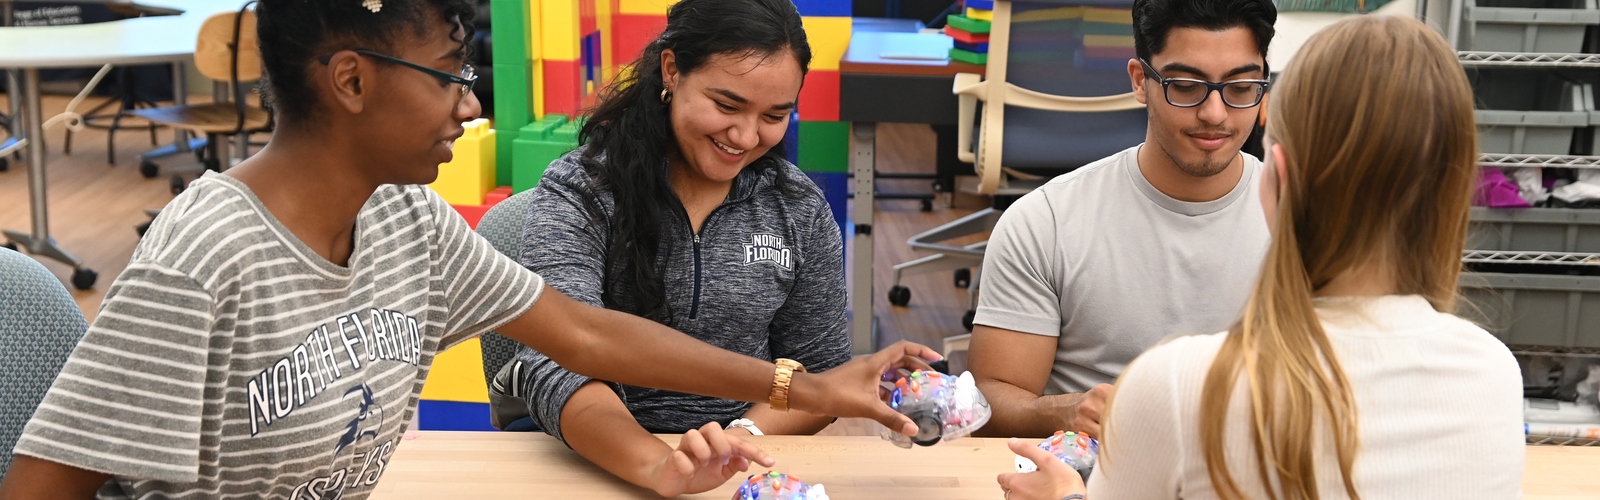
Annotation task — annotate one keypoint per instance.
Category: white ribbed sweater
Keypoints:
(1439, 411)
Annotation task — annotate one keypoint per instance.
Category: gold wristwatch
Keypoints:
(781, 377)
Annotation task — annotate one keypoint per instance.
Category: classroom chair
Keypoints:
(39, 326)
(225, 51)
(502, 226)
(1029, 127)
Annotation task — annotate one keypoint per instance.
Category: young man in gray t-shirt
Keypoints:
(1088, 271)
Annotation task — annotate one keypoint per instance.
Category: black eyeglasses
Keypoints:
(1189, 92)
(468, 76)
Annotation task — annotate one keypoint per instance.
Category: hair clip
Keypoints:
(372, 5)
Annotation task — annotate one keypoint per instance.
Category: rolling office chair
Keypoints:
(225, 51)
(39, 327)
(502, 226)
(1030, 130)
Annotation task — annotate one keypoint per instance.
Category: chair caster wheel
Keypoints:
(963, 278)
(899, 295)
(142, 228)
(178, 185)
(83, 278)
(927, 205)
(5, 164)
(149, 169)
(966, 319)
(9, 246)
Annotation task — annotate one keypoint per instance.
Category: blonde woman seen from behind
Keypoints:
(1346, 376)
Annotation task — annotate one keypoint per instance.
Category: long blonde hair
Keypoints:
(1375, 119)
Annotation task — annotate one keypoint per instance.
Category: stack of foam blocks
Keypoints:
(970, 32)
(823, 141)
(1107, 38)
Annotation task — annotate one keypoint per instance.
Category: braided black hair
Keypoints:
(294, 33)
(629, 130)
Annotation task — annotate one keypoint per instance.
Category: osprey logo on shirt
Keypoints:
(768, 248)
(366, 467)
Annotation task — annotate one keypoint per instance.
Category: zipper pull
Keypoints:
(697, 238)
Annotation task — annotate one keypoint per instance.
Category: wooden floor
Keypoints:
(94, 207)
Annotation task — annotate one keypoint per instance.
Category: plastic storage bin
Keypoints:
(1533, 309)
(1526, 26)
(1528, 111)
(1535, 230)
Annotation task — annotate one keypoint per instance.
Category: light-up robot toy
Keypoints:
(1076, 450)
(775, 486)
(944, 408)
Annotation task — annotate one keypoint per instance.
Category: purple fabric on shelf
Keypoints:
(1496, 191)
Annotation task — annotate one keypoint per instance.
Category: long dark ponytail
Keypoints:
(629, 133)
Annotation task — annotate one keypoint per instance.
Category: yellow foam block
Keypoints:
(652, 7)
(980, 14)
(1116, 16)
(602, 18)
(829, 38)
(457, 375)
(537, 89)
(470, 173)
(558, 30)
(1107, 41)
(1055, 14)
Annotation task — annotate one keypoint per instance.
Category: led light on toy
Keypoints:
(775, 486)
(944, 408)
(1076, 450)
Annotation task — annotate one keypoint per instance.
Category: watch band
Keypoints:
(782, 376)
(746, 424)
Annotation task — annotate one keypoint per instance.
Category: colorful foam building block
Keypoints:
(968, 24)
(538, 144)
(979, 4)
(631, 33)
(835, 188)
(829, 38)
(980, 14)
(1107, 15)
(644, 6)
(474, 213)
(968, 57)
(976, 48)
(563, 87)
(819, 96)
(791, 138)
(470, 173)
(827, 8)
(960, 35)
(824, 146)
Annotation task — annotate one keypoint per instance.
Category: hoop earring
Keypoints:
(666, 97)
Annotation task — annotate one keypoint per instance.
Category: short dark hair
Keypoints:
(1154, 19)
(294, 33)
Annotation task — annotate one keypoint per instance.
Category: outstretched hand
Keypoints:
(704, 459)
(1054, 479)
(851, 389)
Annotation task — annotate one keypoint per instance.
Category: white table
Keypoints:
(144, 40)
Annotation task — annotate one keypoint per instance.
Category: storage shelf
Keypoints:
(1526, 59)
(1561, 441)
(1552, 161)
(1562, 258)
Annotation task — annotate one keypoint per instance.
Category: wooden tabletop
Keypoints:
(490, 465)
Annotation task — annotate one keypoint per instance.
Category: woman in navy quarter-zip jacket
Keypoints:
(679, 207)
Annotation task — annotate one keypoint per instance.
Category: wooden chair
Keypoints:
(226, 51)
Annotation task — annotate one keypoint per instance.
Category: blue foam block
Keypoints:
(791, 138)
(976, 48)
(823, 8)
(836, 189)
(980, 4)
(452, 416)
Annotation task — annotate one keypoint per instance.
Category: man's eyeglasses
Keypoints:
(467, 77)
(1189, 92)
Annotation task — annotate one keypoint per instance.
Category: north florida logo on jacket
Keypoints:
(768, 248)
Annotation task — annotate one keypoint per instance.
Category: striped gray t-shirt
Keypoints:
(230, 360)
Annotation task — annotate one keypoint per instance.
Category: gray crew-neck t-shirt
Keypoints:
(231, 361)
(1106, 262)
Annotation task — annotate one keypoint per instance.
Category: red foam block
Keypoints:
(474, 213)
(966, 37)
(563, 86)
(819, 97)
(631, 33)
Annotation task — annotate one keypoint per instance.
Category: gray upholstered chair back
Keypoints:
(502, 226)
(39, 326)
